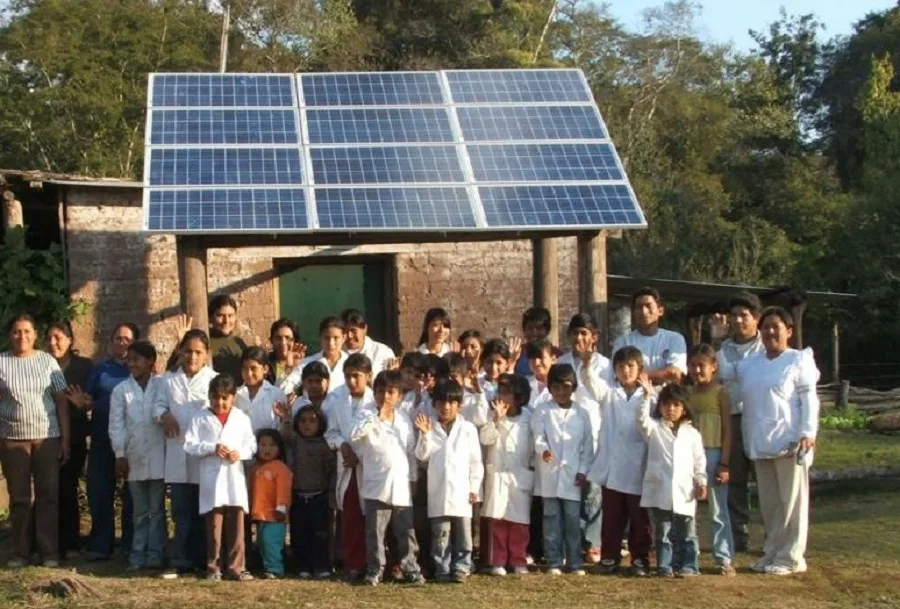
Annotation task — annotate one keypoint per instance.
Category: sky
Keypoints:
(729, 20)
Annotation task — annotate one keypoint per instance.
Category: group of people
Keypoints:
(540, 455)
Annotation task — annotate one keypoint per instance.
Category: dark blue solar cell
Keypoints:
(560, 205)
(394, 208)
(222, 90)
(225, 166)
(386, 165)
(515, 123)
(505, 86)
(544, 162)
(223, 127)
(371, 89)
(378, 125)
(214, 210)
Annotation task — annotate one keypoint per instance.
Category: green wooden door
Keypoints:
(310, 293)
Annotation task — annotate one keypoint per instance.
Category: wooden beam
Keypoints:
(593, 295)
(797, 312)
(836, 352)
(12, 211)
(546, 281)
(192, 279)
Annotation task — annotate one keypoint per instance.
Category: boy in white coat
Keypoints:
(509, 479)
(675, 478)
(386, 441)
(563, 442)
(140, 448)
(221, 437)
(449, 444)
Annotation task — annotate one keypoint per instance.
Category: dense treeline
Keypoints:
(777, 166)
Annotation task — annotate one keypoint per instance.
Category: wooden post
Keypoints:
(843, 396)
(593, 295)
(797, 312)
(546, 281)
(836, 352)
(192, 278)
(12, 211)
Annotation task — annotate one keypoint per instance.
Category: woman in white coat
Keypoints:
(140, 448)
(781, 417)
(509, 479)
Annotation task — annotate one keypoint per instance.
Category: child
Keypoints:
(509, 479)
(414, 370)
(536, 324)
(563, 440)
(331, 337)
(710, 406)
(271, 482)
(359, 341)
(140, 448)
(449, 444)
(185, 394)
(474, 406)
(471, 348)
(664, 351)
(257, 398)
(675, 478)
(220, 437)
(541, 356)
(619, 467)
(386, 441)
(313, 387)
(225, 347)
(313, 491)
(435, 337)
(343, 406)
(495, 360)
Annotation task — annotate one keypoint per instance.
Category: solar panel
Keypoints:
(464, 150)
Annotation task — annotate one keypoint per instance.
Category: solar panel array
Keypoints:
(390, 151)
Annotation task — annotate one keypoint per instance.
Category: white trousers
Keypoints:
(784, 501)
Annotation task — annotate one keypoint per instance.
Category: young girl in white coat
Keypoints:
(675, 478)
(263, 402)
(220, 437)
(509, 479)
(186, 392)
(563, 442)
(140, 448)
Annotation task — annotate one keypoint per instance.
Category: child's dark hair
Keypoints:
(437, 366)
(354, 318)
(703, 350)
(582, 321)
(646, 291)
(255, 354)
(519, 386)
(431, 316)
(537, 315)
(496, 346)
(319, 417)
(315, 369)
(447, 390)
(456, 364)
(135, 331)
(331, 322)
(359, 362)
(779, 312)
(628, 354)
(562, 373)
(417, 361)
(143, 348)
(388, 379)
(536, 348)
(276, 437)
(674, 393)
(219, 301)
(471, 334)
(223, 383)
(194, 334)
(284, 322)
(747, 300)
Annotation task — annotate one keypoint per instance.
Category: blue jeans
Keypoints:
(101, 493)
(189, 543)
(723, 538)
(148, 546)
(682, 530)
(270, 538)
(562, 532)
(591, 503)
(451, 545)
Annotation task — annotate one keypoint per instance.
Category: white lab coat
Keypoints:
(474, 408)
(676, 464)
(342, 415)
(386, 450)
(488, 388)
(222, 483)
(261, 408)
(133, 431)
(567, 434)
(600, 369)
(455, 469)
(780, 402)
(408, 405)
(183, 397)
(539, 393)
(444, 350)
(335, 375)
(378, 353)
(508, 478)
(622, 452)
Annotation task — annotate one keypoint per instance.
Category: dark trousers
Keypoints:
(422, 524)
(189, 543)
(739, 468)
(27, 462)
(536, 529)
(70, 474)
(621, 510)
(101, 492)
(309, 532)
(225, 540)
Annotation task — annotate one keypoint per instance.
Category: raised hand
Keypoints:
(645, 383)
(515, 346)
(281, 410)
(296, 355)
(472, 380)
(500, 409)
(183, 323)
(393, 364)
(423, 423)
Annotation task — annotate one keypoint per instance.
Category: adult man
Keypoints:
(664, 351)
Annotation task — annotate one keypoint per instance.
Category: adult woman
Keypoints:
(781, 414)
(287, 351)
(76, 370)
(34, 439)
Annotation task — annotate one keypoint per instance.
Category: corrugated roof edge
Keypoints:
(64, 179)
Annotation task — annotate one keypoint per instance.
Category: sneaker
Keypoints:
(529, 560)
(169, 574)
(800, 567)
(778, 570)
(51, 563)
(321, 575)
(608, 566)
(397, 573)
(269, 575)
(498, 571)
(521, 571)
(577, 572)
(759, 566)
(459, 577)
(414, 579)
(638, 568)
(304, 575)
(371, 580)
(214, 577)
(687, 573)
(665, 573)
(727, 570)
(554, 571)
(592, 556)
(16, 563)
(243, 576)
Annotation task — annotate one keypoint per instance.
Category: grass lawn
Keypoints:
(836, 450)
(854, 562)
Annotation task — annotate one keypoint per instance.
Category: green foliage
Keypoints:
(34, 283)
(843, 421)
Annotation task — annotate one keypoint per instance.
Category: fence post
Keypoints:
(843, 397)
